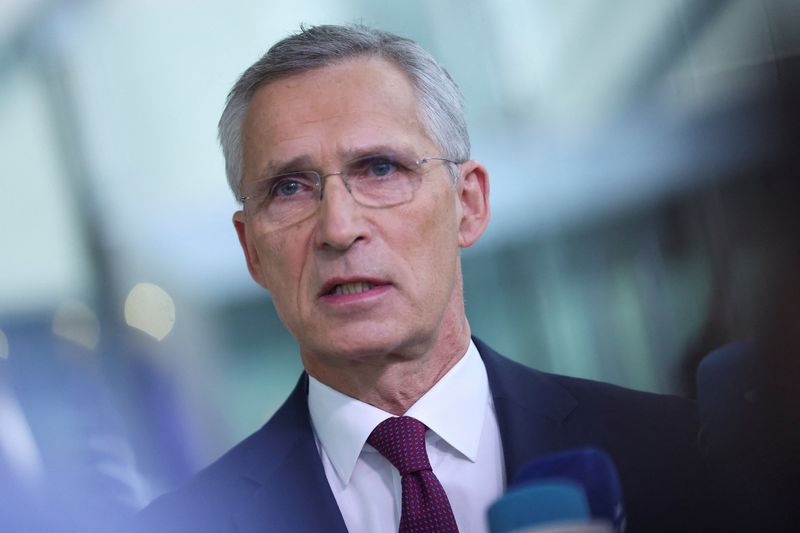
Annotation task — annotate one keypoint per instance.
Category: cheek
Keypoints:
(282, 269)
(280, 265)
(433, 242)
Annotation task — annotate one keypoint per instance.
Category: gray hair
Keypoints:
(440, 102)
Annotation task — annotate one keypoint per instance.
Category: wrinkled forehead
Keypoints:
(350, 84)
(336, 111)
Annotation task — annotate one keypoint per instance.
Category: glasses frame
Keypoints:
(321, 177)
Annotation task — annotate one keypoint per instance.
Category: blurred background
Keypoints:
(644, 196)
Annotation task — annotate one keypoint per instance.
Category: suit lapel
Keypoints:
(531, 407)
(292, 492)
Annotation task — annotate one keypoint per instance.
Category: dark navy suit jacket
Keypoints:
(274, 481)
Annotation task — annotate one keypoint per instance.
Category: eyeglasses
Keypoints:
(373, 181)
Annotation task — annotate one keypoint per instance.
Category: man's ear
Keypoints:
(473, 192)
(249, 249)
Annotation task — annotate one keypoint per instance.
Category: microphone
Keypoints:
(728, 402)
(749, 438)
(573, 491)
(556, 506)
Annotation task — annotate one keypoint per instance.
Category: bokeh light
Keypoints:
(150, 309)
(76, 322)
(3, 345)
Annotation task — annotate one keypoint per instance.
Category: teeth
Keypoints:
(352, 288)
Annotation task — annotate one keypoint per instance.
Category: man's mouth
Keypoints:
(352, 288)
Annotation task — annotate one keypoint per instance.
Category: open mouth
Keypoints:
(352, 288)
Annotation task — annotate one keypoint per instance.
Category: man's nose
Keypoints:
(340, 222)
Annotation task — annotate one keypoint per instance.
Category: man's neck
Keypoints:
(398, 380)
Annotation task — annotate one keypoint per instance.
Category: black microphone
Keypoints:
(727, 397)
(749, 437)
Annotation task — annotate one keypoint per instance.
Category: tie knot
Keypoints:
(402, 441)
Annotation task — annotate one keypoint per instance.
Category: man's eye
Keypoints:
(381, 166)
(288, 186)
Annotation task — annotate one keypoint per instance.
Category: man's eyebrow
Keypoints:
(275, 167)
(306, 162)
(376, 149)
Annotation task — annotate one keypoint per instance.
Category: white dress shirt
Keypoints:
(463, 444)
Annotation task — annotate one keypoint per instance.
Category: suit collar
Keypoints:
(292, 492)
(532, 409)
(283, 464)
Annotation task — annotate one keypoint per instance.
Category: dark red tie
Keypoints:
(426, 508)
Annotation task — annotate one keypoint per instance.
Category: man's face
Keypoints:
(397, 267)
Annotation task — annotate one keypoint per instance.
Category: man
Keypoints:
(348, 149)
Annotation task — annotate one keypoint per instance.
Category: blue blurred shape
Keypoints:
(542, 503)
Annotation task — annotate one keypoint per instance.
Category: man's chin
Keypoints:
(362, 347)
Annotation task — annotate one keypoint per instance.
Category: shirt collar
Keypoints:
(453, 409)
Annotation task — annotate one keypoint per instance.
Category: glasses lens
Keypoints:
(284, 199)
(382, 180)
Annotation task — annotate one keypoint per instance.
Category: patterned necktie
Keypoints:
(426, 508)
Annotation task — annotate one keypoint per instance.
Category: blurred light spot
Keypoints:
(76, 322)
(3, 345)
(17, 445)
(150, 309)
